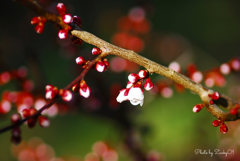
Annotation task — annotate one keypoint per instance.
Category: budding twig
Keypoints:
(152, 67)
(50, 103)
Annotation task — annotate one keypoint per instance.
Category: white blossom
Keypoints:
(136, 96)
(129, 84)
(121, 96)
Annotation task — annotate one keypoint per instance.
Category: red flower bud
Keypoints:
(223, 129)
(39, 28)
(215, 96)
(234, 111)
(216, 123)
(197, 108)
(96, 51)
(61, 8)
(35, 20)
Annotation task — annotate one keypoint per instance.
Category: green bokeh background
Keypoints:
(211, 26)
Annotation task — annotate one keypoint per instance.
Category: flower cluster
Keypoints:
(24, 103)
(216, 75)
(101, 64)
(39, 22)
(43, 120)
(52, 92)
(223, 126)
(31, 122)
(67, 19)
(133, 92)
(20, 99)
(18, 74)
(213, 77)
(215, 97)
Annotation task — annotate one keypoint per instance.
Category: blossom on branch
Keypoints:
(123, 96)
(84, 89)
(133, 92)
(136, 96)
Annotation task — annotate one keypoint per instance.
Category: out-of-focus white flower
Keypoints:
(136, 96)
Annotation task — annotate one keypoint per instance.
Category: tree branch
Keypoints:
(152, 67)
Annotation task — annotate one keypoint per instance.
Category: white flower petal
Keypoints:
(136, 102)
(135, 92)
(120, 98)
(136, 96)
(129, 84)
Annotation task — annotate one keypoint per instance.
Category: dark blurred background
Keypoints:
(206, 33)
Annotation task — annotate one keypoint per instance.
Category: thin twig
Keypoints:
(51, 102)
